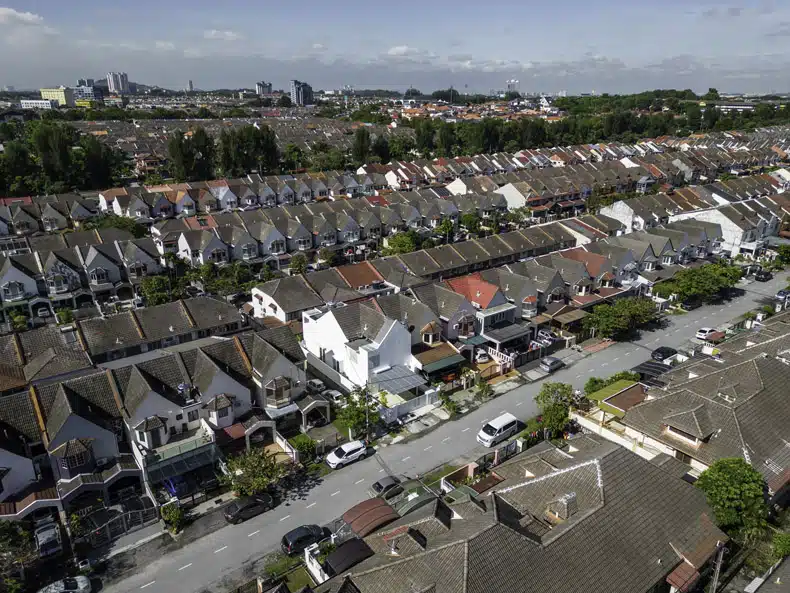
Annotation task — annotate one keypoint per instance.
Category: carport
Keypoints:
(650, 370)
(315, 402)
(367, 516)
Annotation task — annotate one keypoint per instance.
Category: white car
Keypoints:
(482, 356)
(315, 386)
(345, 454)
(334, 396)
(79, 584)
(704, 333)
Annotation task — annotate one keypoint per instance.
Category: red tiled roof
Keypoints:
(474, 288)
(683, 577)
(361, 274)
(593, 261)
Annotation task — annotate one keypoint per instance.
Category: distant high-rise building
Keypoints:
(86, 93)
(82, 82)
(63, 96)
(263, 88)
(301, 93)
(8, 88)
(118, 83)
(191, 86)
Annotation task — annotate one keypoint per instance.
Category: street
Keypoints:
(215, 561)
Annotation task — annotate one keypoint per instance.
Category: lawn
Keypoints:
(297, 579)
(279, 563)
(438, 474)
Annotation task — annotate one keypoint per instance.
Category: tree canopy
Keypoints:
(298, 264)
(621, 318)
(701, 283)
(736, 493)
(360, 412)
(398, 243)
(254, 471)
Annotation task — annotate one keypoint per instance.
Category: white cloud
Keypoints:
(165, 45)
(9, 16)
(218, 35)
(319, 46)
(402, 50)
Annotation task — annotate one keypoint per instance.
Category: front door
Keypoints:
(156, 439)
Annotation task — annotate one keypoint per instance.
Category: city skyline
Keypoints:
(606, 48)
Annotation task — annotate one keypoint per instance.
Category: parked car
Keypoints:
(547, 336)
(335, 397)
(704, 333)
(482, 356)
(763, 276)
(48, 538)
(386, 488)
(78, 584)
(295, 541)
(347, 453)
(248, 507)
(690, 305)
(499, 429)
(315, 386)
(782, 295)
(551, 364)
(662, 353)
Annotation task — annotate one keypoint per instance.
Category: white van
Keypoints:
(500, 428)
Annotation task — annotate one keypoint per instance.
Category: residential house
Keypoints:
(202, 246)
(284, 298)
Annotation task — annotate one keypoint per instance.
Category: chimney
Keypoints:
(565, 506)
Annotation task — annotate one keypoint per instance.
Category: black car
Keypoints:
(763, 276)
(662, 353)
(248, 507)
(296, 540)
(690, 305)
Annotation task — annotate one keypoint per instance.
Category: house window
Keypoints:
(179, 417)
(680, 456)
(249, 251)
(13, 290)
(329, 239)
(98, 276)
(139, 270)
(466, 327)
(278, 392)
(277, 247)
(373, 360)
(218, 255)
(223, 413)
(192, 415)
(50, 224)
(77, 460)
(303, 244)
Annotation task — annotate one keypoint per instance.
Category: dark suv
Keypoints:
(296, 540)
(248, 507)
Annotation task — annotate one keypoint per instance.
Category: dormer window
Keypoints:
(13, 291)
(303, 244)
(218, 256)
(249, 251)
(57, 283)
(98, 276)
(277, 247)
(278, 392)
(78, 459)
(138, 270)
(50, 224)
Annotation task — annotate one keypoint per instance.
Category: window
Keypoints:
(277, 247)
(139, 270)
(278, 392)
(218, 255)
(99, 276)
(373, 360)
(192, 415)
(50, 224)
(249, 251)
(680, 456)
(303, 244)
(141, 436)
(179, 416)
(13, 290)
(77, 460)
(223, 413)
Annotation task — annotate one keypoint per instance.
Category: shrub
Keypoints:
(173, 516)
(305, 446)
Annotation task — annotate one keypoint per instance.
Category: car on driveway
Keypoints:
(763, 276)
(295, 541)
(662, 353)
(78, 584)
(782, 295)
(386, 488)
(704, 333)
(347, 453)
(315, 386)
(482, 356)
(335, 397)
(248, 507)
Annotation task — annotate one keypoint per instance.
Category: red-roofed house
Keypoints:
(477, 291)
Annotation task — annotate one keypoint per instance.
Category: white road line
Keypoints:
(406, 458)
(284, 518)
(185, 567)
(381, 471)
(606, 364)
(484, 421)
(444, 440)
(335, 493)
(616, 359)
(579, 375)
(629, 353)
(503, 412)
(722, 309)
(465, 429)
(147, 584)
(217, 551)
(519, 403)
(256, 532)
(428, 448)
(359, 481)
(685, 326)
(312, 504)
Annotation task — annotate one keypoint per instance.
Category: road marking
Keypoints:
(704, 317)
(503, 412)
(519, 403)
(220, 549)
(685, 326)
(312, 504)
(256, 532)
(444, 440)
(465, 429)
(359, 481)
(722, 309)
(381, 471)
(284, 518)
(616, 359)
(428, 448)
(606, 364)
(484, 421)
(406, 458)
(147, 584)
(185, 567)
(335, 493)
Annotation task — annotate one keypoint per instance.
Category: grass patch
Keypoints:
(341, 428)
(278, 564)
(318, 469)
(438, 474)
(297, 579)
(676, 311)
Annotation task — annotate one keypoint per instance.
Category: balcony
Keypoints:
(123, 466)
(16, 296)
(184, 452)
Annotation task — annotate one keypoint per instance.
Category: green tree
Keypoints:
(292, 157)
(401, 146)
(401, 243)
(305, 446)
(552, 393)
(445, 228)
(98, 164)
(117, 222)
(471, 222)
(555, 418)
(16, 546)
(446, 140)
(781, 545)
(204, 150)
(361, 149)
(328, 256)
(173, 516)
(254, 471)
(711, 95)
(736, 493)
(381, 148)
(284, 101)
(621, 318)
(298, 264)
(155, 290)
(360, 413)
(424, 136)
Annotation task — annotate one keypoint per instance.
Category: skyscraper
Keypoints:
(191, 87)
(118, 83)
(263, 88)
(301, 93)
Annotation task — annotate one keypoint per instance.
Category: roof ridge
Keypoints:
(188, 315)
(42, 426)
(137, 325)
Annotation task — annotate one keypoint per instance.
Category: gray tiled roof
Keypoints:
(442, 301)
(284, 340)
(291, 294)
(359, 321)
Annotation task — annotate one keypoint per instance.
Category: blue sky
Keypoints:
(575, 45)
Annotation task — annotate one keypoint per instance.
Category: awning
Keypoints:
(274, 413)
(474, 340)
(367, 516)
(395, 380)
(444, 363)
(506, 333)
(570, 317)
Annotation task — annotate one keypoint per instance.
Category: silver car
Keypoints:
(79, 584)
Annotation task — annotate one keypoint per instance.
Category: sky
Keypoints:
(575, 45)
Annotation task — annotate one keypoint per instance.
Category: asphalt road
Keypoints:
(214, 561)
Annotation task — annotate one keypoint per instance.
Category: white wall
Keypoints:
(265, 306)
(514, 197)
(621, 212)
(21, 473)
(15, 275)
(105, 443)
(732, 234)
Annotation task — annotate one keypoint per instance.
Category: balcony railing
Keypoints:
(181, 446)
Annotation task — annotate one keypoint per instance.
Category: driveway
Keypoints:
(224, 557)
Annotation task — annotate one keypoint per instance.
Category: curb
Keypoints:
(133, 546)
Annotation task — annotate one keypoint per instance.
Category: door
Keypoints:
(156, 439)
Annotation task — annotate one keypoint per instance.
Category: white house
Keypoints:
(200, 247)
(284, 298)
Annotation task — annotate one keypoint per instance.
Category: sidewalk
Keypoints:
(532, 371)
